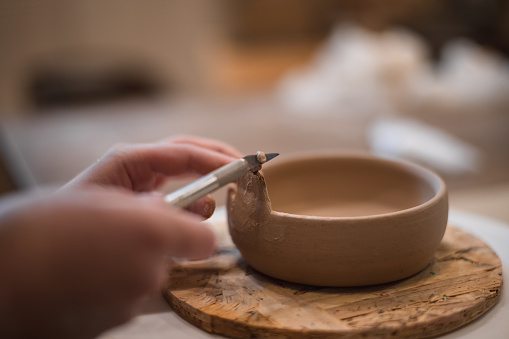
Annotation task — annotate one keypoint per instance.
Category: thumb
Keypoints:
(204, 206)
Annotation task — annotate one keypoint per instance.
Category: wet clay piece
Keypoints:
(338, 220)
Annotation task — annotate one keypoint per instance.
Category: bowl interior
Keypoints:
(342, 186)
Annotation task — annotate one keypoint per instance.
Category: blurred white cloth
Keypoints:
(362, 72)
(466, 76)
(412, 140)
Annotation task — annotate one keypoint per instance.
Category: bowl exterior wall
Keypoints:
(343, 252)
(328, 251)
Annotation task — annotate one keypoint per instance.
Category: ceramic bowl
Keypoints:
(338, 220)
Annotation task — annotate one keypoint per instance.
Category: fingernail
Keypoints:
(207, 209)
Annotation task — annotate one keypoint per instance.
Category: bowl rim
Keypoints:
(441, 190)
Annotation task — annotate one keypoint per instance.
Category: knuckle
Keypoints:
(119, 151)
(177, 138)
(120, 146)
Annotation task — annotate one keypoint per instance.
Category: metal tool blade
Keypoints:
(255, 164)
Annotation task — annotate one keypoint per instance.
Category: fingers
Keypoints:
(205, 206)
(210, 144)
(178, 232)
(143, 167)
(177, 159)
(75, 251)
(125, 219)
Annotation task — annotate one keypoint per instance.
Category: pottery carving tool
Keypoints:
(218, 178)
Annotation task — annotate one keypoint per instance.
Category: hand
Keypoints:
(77, 263)
(144, 167)
(80, 261)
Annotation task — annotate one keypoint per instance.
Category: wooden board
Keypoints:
(223, 295)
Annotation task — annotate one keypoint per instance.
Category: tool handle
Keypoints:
(207, 184)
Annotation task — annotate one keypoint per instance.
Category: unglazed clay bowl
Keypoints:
(338, 220)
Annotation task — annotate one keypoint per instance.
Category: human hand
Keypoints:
(144, 167)
(74, 264)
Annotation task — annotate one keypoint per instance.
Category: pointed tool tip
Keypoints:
(270, 156)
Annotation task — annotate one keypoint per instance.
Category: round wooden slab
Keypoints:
(225, 296)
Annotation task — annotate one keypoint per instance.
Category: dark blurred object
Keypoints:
(63, 85)
(14, 171)
(283, 21)
(172, 42)
(438, 21)
(6, 182)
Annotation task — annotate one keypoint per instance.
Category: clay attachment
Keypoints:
(338, 220)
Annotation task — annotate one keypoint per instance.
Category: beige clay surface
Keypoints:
(334, 220)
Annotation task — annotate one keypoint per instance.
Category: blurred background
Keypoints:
(423, 80)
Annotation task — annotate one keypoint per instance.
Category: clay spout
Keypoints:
(248, 202)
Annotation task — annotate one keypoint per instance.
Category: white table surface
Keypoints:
(159, 321)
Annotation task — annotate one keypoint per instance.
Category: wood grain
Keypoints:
(223, 295)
